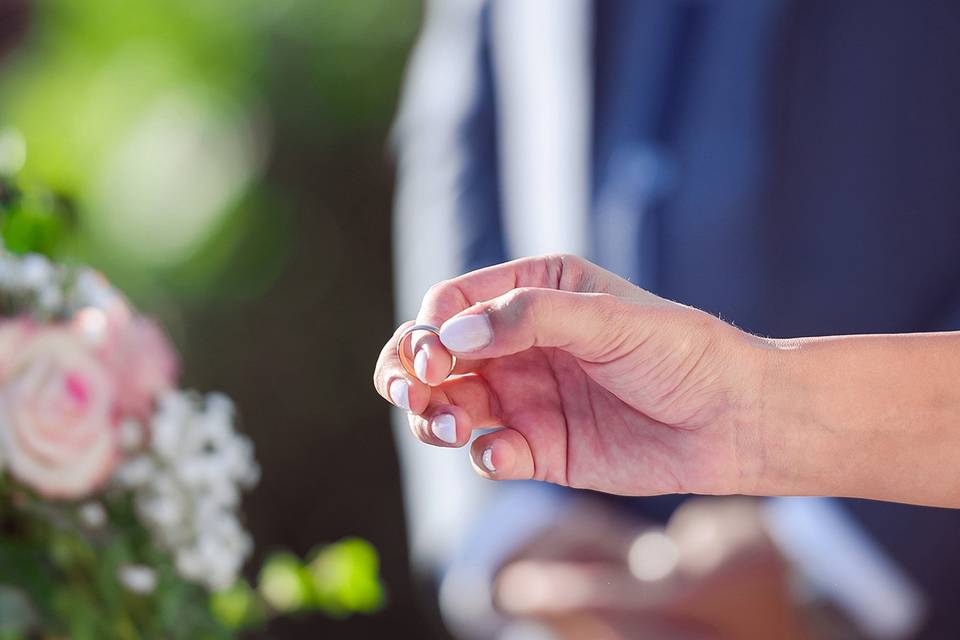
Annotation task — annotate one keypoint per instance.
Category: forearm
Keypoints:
(862, 416)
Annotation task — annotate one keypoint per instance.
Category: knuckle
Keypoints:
(521, 304)
(570, 272)
(556, 266)
(436, 291)
(445, 296)
(572, 261)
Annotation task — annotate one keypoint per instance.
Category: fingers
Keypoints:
(450, 297)
(442, 425)
(456, 407)
(393, 382)
(503, 455)
(432, 363)
(446, 299)
(591, 326)
(560, 272)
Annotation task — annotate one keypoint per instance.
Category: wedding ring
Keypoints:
(405, 360)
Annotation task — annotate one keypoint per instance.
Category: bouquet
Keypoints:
(119, 493)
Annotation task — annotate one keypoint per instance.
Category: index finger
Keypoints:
(562, 272)
(432, 361)
(446, 299)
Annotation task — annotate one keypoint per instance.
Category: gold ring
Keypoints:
(401, 352)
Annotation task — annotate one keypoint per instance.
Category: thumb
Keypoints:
(590, 326)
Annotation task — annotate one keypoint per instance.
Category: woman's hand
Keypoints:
(596, 383)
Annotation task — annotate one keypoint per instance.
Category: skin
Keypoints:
(599, 384)
(574, 577)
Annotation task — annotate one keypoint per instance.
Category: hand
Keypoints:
(597, 383)
(597, 573)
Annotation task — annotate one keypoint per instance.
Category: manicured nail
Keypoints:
(487, 459)
(400, 393)
(466, 333)
(444, 426)
(420, 364)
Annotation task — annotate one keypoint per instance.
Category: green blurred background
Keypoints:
(226, 163)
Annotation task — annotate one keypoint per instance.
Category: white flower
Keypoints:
(137, 578)
(36, 272)
(91, 289)
(50, 299)
(217, 556)
(187, 486)
(92, 515)
(33, 281)
(131, 435)
(135, 472)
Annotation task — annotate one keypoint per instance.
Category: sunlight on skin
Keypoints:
(598, 384)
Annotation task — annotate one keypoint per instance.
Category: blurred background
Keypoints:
(788, 165)
(225, 163)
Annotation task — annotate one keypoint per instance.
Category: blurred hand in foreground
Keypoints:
(712, 573)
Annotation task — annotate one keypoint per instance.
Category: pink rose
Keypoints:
(13, 336)
(145, 366)
(57, 428)
(138, 354)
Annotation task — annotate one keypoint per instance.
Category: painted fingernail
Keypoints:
(400, 393)
(444, 426)
(466, 333)
(420, 364)
(487, 459)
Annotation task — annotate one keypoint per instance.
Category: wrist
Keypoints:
(778, 455)
(811, 431)
(759, 367)
(857, 416)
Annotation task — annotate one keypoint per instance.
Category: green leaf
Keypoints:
(284, 583)
(236, 607)
(346, 578)
(28, 228)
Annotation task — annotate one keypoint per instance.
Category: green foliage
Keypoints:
(93, 93)
(237, 607)
(27, 230)
(338, 580)
(284, 584)
(103, 91)
(60, 577)
(345, 577)
(32, 221)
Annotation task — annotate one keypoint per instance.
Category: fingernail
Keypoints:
(466, 333)
(487, 459)
(400, 393)
(444, 426)
(420, 364)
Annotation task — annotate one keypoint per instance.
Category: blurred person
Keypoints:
(763, 161)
